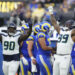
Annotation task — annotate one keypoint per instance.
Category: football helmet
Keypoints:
(24, 28)
(11, 29)
(36, 28)
(45, 26)
(69, 24)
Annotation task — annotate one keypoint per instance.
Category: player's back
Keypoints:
(65, 43)
(47, 40)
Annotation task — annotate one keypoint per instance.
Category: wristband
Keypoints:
(32, 58)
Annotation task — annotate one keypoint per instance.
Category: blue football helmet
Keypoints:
(70, 24)
(12, 25)
(45, 26)
(36, 28)
(24, 28)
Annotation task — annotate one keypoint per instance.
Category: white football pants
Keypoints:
(10, 68)
(61, 64)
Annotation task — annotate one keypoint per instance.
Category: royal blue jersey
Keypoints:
(34, 50)
(24, 49)
(73, 51)
(47, 40)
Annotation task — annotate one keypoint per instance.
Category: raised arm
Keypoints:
(53, 20)
(73, 35)
(25, 36)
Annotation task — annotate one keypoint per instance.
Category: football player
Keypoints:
(25, 62)
(64, 46)
(44, 49)
(10, 42)
(32, 49)
(72, 67)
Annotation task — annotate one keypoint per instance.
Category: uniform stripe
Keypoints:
(17, 35)
(3, 34)
(30, 38)
(73, 70)
(41, 34)
(21, 66)
(45, 65)
(29, 73)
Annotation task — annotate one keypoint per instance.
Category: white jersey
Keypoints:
(10, 44)
(65, 43)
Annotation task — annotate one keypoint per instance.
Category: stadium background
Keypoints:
(35, 10)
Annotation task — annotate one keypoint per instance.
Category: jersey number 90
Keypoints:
(9, 45)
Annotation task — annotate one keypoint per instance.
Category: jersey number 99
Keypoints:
(63, 38)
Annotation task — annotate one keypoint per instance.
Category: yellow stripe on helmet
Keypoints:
(44, 25)
(35, 28)
(41, 34)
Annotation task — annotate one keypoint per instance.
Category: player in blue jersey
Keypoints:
(72, 68)
(1, 60)
(44, 49)
(25, 63)
(32, 49)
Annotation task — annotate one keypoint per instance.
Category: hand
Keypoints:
(54, 51)
(34, 61)
(54, 48)
(23, 22)
(50, 8)
(24, 61)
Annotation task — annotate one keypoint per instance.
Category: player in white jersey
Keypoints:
(10, 42)
(64, 47)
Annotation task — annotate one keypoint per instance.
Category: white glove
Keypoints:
(23, 22)
(50, 8)
(24, 61)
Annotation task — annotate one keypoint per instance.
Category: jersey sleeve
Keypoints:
(40, 35)
(30, 38)
(3, 34)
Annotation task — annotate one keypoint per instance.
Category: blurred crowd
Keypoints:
(36, 11)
